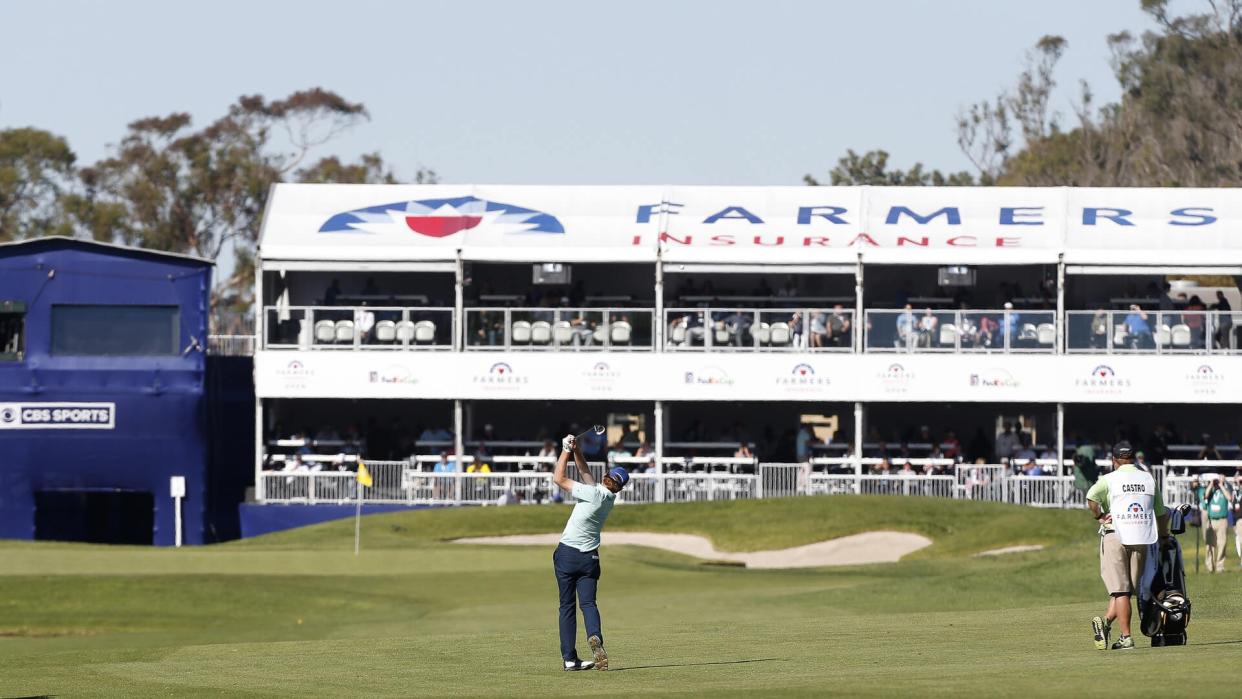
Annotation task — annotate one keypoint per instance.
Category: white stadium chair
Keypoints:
(405, 331)
(425, 331)
(521, 332)
(344, 331)
(563, 332)
(1047, 334)
(1164, 336)
(599, 335)
(325, 331)
(779, 334)
(677, 335)
(1181, 335)
(1120, 336)
(720, 336)
(763, 333)
(621, 332)
(948, 334)
(540, 332)
(1028, 332)
(385, 331)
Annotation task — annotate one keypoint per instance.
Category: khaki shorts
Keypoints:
(1121, 566)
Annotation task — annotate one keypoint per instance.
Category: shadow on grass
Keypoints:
(718, 662)
(1215, 643)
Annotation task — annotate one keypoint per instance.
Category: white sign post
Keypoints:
(176, 486)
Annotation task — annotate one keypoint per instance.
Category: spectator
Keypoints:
(952, 447)
(927, 328)
(789, 289)
(615, 451)
(905, 326)
(435, 434)
(989, 331)
(334, 291)
(1137, 328)
(483, 457)
(370, 288)
(819, 330)
(1223, 319)
(839, 326)
(1216, 503)
(1193, 318)
(743, 452)
(1208, 452)
(1099, 329)
(1009, 323)
(1006, 443)
(593, 444)
(802, 444)
(795, 327)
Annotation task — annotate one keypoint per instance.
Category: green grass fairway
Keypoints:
(297, 614)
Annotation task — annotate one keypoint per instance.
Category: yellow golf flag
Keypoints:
(364, 476)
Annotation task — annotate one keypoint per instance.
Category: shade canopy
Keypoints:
(753, 225)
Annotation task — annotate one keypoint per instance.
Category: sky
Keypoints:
(559, 92)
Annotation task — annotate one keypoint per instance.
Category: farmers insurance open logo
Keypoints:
(802, 379)
(1103, 381)
(895, 379)
(295, 374)
(500, 376)
(1133, 514)
(601, 376)
(1205, 380)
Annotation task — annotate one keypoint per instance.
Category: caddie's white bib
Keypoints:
(1132, 503)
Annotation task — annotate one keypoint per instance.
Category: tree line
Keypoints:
(169, 185)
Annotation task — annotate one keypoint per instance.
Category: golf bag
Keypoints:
(1164, 606)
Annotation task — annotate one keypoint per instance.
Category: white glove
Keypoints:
(567, 444)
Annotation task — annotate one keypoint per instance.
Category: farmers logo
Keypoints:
(709, 376)
(895, 379)
(601, 376)
(440, 218)
(1134, 513)
(295, 375)
(1102, 380)
(994, 378)
(500, 374)
(1135, 507)
(395, 374)
(802, 375)
(1205, 380)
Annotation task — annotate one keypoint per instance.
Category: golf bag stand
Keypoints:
(1164, 605)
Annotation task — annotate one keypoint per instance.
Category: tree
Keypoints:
(168, 186)
(35, 168)
(871, 168)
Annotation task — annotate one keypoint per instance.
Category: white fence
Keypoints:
(401, 482)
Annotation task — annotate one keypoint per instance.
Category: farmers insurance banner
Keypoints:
(57, 416)
(932, 225)
(698, 376)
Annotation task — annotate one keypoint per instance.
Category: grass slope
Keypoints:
(297, 613)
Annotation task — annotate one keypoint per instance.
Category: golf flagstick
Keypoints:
(364, 480)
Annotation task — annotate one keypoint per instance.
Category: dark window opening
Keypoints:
(115, 330)
(95, 517)
(12, 331)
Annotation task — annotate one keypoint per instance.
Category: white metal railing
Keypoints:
(958, 331)
(1151, 332)
(734, 329)
(417, 482)
(358, 327)
(617, 329)
(230, 345)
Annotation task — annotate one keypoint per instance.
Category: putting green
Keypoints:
(297, 614)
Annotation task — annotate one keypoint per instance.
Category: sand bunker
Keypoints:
(870, 547)
(1012, 549)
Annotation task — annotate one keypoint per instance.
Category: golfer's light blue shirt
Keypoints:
(585, 522)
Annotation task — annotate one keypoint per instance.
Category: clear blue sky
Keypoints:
(559, 92)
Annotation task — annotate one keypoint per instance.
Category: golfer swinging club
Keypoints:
(577, 556)
(1130, 509)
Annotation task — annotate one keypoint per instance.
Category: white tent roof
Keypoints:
(753, 225)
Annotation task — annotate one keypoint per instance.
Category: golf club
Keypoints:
(597, 429)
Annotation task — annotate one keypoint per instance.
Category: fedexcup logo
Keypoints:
(440, 218)
(395, 374)
(802, 375)
(1102, 379)
(709, 376)
(500, 374)
(994, 378)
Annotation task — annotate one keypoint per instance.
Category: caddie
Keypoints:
(1130, 509)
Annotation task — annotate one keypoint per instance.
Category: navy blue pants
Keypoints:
(577, 574)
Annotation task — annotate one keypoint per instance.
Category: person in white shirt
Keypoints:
(1130, 508)
(576, 559)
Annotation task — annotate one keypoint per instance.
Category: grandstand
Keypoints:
(740, 342)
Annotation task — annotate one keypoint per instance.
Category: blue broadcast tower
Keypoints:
(102, 402)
